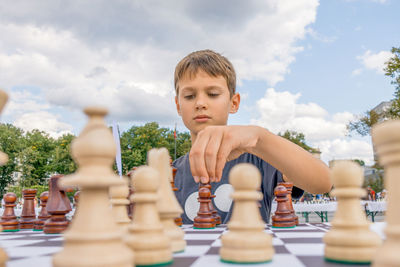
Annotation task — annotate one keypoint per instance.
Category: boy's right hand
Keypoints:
(215, 145)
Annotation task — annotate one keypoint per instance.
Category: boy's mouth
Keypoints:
(201, 118)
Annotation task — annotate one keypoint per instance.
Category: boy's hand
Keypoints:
(215, 145)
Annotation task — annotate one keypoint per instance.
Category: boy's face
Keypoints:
(204, 100)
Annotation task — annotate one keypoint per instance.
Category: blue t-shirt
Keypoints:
(188, 189)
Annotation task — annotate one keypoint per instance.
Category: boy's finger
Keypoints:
(223, 153)
(211, 154)
(196, 156)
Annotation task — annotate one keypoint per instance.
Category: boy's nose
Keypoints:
(201, 103)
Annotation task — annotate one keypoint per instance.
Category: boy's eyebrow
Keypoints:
(191, 89)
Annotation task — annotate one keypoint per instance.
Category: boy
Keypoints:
(205, 84)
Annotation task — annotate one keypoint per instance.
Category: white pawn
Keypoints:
(93, 239)
(350, 240)
(167, 205)
(386, 139)
(119, 201)
(246, 241)
(146, 235)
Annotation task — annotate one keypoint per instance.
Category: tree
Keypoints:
(138, 140)
(362, 125)
(11, 143)
(299, 139)
(61, 161)
(35, 158)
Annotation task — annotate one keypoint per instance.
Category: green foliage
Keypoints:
(138, 140)
(35, 158)
(10, 143)
(17, 189)
(362, 125)
(61, 161)
(376, 183)
(359, 161)
(299, 139)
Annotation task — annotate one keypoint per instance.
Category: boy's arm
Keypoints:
(215, 145)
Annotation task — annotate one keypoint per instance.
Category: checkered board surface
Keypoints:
(300, 246)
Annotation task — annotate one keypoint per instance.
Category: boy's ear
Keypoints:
(235, 102)
(178, 107)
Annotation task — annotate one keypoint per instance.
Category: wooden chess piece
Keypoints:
(284, 215)
(76, 198)
(204, 218)
(178, 220)
(349, 240)
(246, 241)
(386, 140)
(43, 215)
(289, 188)
(131, 205)
(3, 160)
(167, 204)
(9, 219)
(214, 211)
(146, 235)
(28, 215)
(119, 201)
(93, 238)
(58, 205)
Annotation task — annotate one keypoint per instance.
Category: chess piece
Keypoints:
(43, 215)
(3, 160)
(284, 216)
(349, 240)
(146, 233)
(131, 205)
(93, 238)
(58, 205)
(76, 198)
(204, 218)
(246, 241)
(119, 201)
(214, 212)
(386, 140)
(28, 215)
(289, 188)
(167, 204)
(178, 220)
(8, 219)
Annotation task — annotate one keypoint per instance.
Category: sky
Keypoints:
(308, 66)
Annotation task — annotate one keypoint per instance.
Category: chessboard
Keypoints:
(299, 246)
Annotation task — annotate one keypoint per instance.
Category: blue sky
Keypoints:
(306, 65)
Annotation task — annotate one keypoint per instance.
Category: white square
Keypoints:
(201, 236)
(306, 249)
(17, 243)
(36, 261)
(192, 251)
(31, 251)
(299, 234)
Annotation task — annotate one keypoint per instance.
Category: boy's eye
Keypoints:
(213, 94)
(188, 96)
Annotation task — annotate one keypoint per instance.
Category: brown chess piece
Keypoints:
(283, 216)
(76, 198)
(178, 220)
(214, 212)
(204, 218)
(8, 219)
(289, 188)
(58, 205)
(28, 215)
(43, 215)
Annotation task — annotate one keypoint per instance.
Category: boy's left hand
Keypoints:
(215, 145)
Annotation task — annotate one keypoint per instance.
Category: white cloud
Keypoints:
(281, 111)
(125, 60)
(43, 121)
(373, 61)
